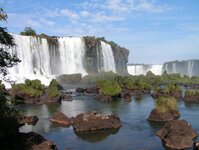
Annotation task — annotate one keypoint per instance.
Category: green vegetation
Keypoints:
(191, 93)
(33, 88)
(107, 87)
(28, 31)
(169, 89)
(164, 104)
(53, 89)
(100, 76)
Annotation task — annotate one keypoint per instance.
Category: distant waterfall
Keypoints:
(108, 58)
(187, 67)
(140, 69)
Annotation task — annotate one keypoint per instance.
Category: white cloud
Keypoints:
(189, 26)
(70, 14)
(85, 13)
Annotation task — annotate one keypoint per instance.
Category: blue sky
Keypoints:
(154, 31)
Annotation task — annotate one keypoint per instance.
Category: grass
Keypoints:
(164, 104)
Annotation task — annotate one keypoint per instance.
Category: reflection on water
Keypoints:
(136, 133)
(96, 136)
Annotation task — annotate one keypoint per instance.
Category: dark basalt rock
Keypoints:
(104, 98)
(92, 90)
(191, 99)
(61, 119)
(127, 97)
(26, 141)
(177, 134)
(92, 121)
(80, 90)
(45, 99)
(168, 115)
(31, 120)
(67, 98)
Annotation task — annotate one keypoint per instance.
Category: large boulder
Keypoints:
(45, 99)
(31, 120)
(177, 134)
(127, 97)
(61, 119)
(92, 121)
(168, 115)
(92, 90)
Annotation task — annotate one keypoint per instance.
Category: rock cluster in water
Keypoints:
(177, 134)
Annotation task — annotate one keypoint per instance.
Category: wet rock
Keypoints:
(139, 95)
(80, 90)
(66, 98)
(104, 98)
(92, 90)
(46, 145)
(61, 119)
(31, 120)
(168, 115)
(177, 134)
(127, 97)
(191, 99)
(92, 121)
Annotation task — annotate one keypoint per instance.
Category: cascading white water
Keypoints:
(143, 69)
(71, 55)
(39, 61)
(108, 58)
(190, 68)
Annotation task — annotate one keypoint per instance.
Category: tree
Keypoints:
(8, 123)
(28, 31)
(6, 59)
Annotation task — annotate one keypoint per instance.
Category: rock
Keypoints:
(69, 78)
(191, 99)
(138, 95)
(46, 145)
(168, 115)
(177, 134)
(92, 90)
(104, 98)
(67, 98)
(92, 121)
(127, 97)
(80, 90)
(31, 120)
(61, 119)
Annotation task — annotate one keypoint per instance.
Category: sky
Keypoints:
(154, 31)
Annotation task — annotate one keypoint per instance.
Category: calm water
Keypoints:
(135, 134)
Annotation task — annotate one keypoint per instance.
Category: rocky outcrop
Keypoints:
(31, 120)
(92, 121)
(168, 115)
(80, 90)
(177, 134)
(93, 59)
(61, 119)
(27, 141)
(127, 97)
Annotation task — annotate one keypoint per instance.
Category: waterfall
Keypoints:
(71, 55)
(140, 69)
(40, 60)
(108, 58)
